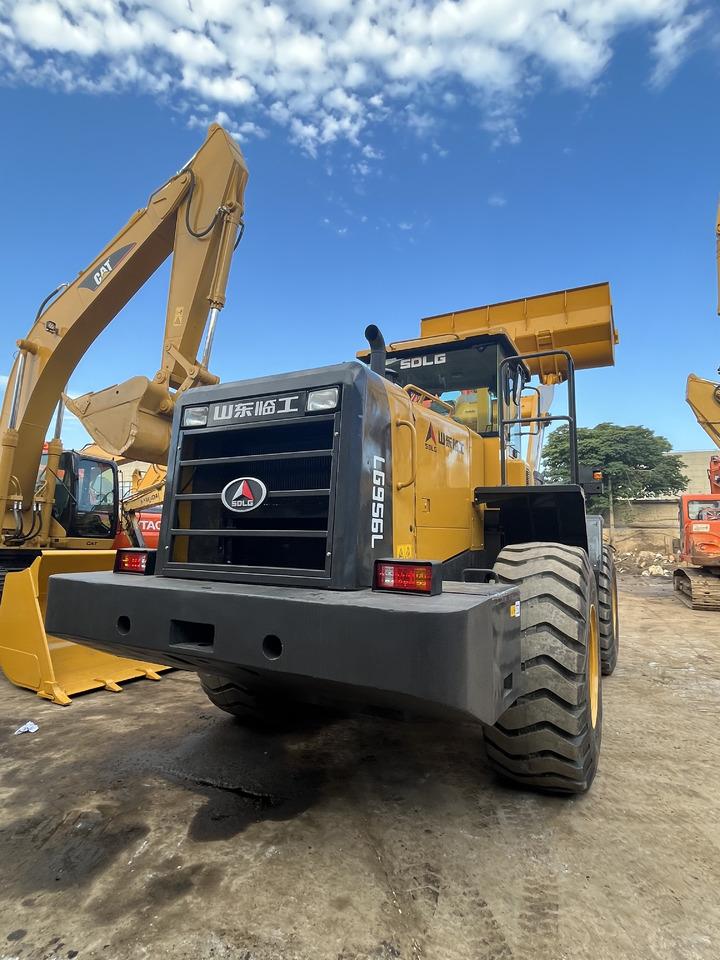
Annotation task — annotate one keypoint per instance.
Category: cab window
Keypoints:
(96, 485)
(96, 494)
(703, 509)
(465, 377)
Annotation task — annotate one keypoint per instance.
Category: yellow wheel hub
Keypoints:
(615, 615)
(593, 653)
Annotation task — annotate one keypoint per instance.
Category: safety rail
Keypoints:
(504, 378)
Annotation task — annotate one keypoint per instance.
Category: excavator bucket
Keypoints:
(56, 669)
(130, 419)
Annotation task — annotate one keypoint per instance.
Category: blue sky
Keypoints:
(400, 166)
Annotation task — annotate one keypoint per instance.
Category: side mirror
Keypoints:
(513, 385)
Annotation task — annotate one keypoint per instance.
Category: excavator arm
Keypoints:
(197, 216)
(703, 396)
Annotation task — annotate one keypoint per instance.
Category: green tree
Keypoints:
(638, 462)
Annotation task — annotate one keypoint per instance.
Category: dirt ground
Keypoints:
(148, 824)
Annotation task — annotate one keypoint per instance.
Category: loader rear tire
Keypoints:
(549, 739)
(251, 708)
(608, 611)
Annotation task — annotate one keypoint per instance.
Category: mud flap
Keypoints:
(56, 669)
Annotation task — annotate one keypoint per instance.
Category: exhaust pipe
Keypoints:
(378, 351)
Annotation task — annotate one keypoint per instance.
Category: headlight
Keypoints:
(195, 417)
(326, 399)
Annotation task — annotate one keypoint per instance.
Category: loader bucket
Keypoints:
(56, 669)
(130, 419)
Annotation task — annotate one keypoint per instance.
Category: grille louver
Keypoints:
(291, 530)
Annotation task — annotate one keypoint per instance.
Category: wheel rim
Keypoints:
(593, 666)
(614, 605)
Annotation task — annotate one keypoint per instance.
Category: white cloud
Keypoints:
(501, 124)
(671, 46)
(330, 70)
(240, 131)
(496, 200)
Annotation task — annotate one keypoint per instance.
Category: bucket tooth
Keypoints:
(54, 692)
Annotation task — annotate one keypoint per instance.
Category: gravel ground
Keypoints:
(148, 824)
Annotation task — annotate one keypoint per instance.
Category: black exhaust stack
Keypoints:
(378, 350)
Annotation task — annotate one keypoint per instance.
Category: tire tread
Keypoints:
(544, 739)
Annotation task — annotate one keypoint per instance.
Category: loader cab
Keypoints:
(87, 497)
(463, 375)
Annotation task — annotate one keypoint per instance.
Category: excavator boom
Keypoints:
(703, 396)
(196, 216)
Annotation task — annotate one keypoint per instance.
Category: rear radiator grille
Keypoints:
(291, 530)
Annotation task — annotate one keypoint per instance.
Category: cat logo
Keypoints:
(102, 270)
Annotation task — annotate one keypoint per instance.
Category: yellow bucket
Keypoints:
(56, 669)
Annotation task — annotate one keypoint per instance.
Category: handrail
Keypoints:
(413, 453)
(570, 419)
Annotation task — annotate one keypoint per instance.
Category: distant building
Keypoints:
(696, 469)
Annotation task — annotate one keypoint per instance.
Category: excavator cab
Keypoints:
(85, 515)
(86, 497)
(700, 529)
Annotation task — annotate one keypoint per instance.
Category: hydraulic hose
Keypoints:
(48, 298)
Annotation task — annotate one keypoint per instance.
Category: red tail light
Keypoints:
(408, 576)
(135, 561)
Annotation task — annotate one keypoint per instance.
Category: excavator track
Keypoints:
(697, 587)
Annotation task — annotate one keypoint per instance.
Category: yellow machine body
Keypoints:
(578, 320)
(56, 669)
(443, 451)
(438, 464)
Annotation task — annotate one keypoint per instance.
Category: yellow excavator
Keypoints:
(697, 580)
(60, 510)
(148, 492)
(147, 484)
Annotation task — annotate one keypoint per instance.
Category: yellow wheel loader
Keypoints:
(59, 510)
(376, 535)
